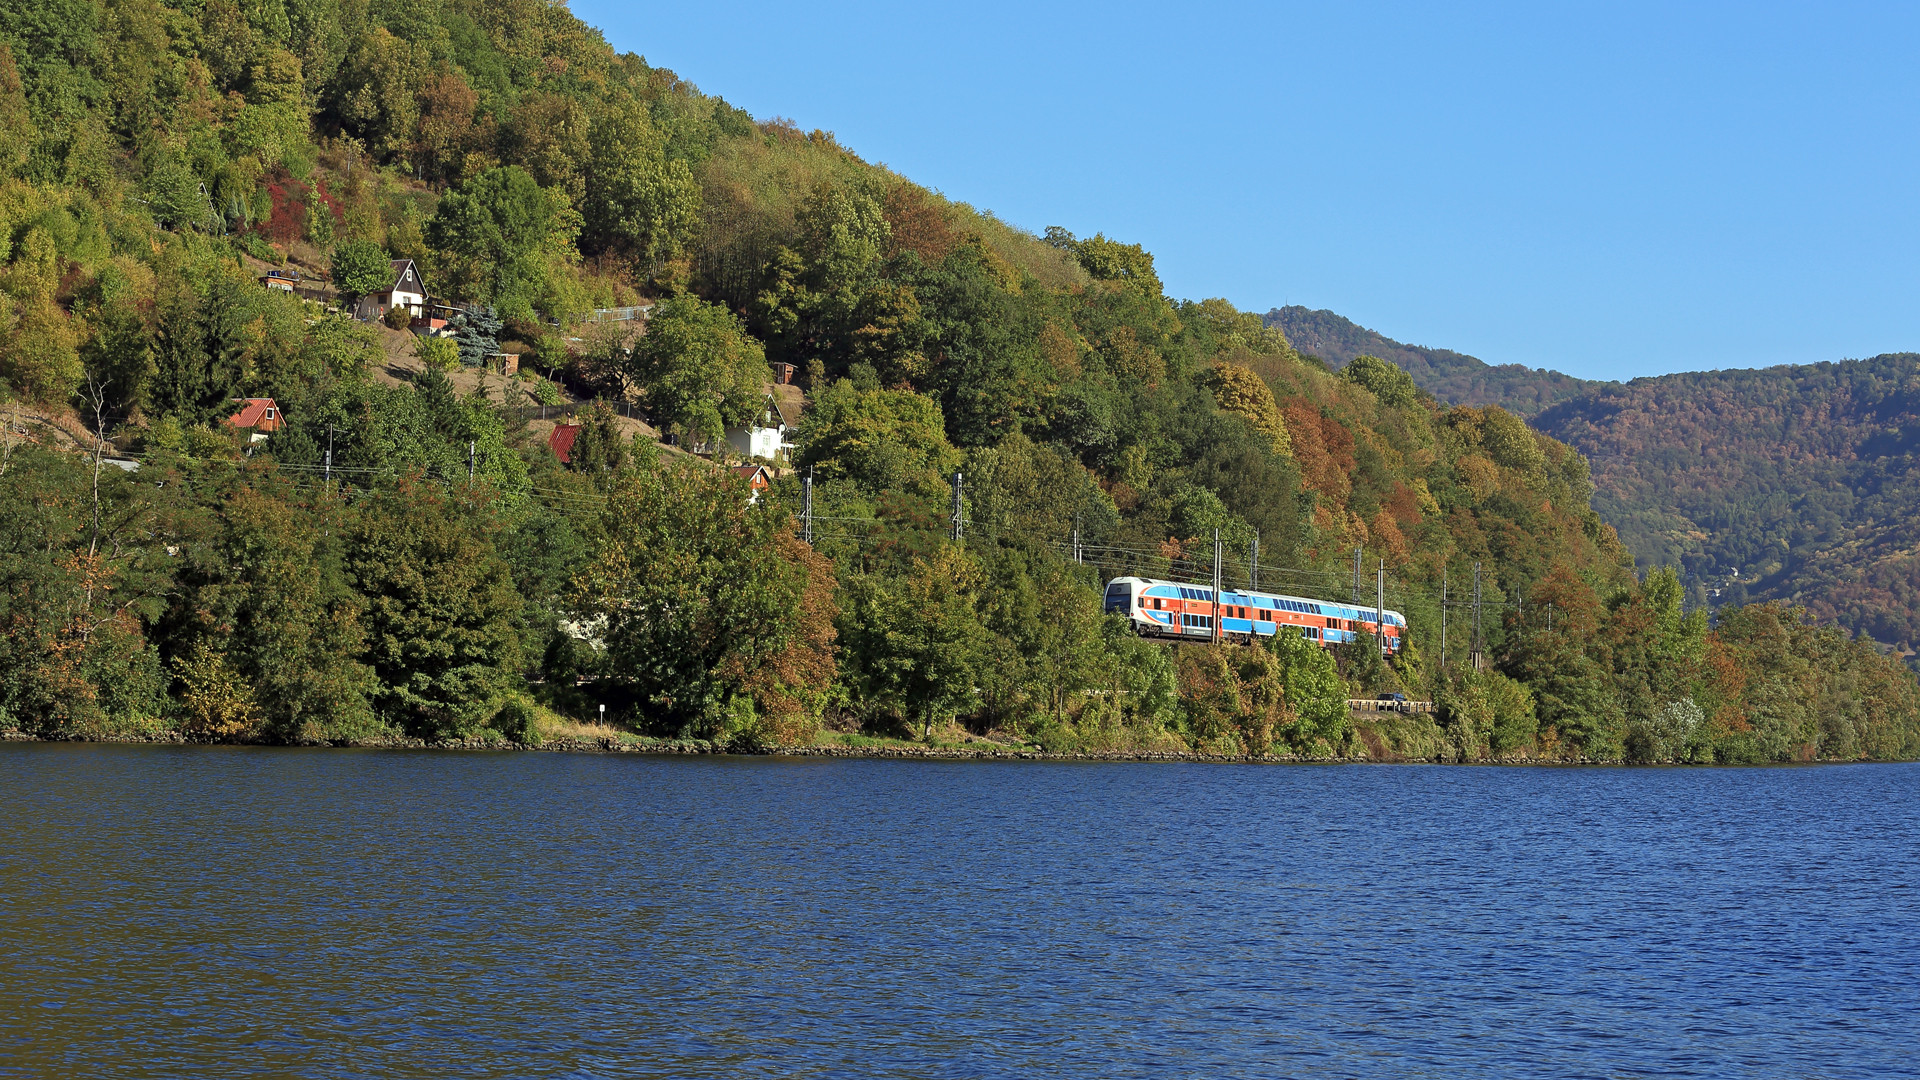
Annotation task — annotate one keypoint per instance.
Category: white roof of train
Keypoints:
(1340, 608)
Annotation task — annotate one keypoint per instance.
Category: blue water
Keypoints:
(327, 913)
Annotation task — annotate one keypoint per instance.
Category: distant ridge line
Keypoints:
(1455, 378)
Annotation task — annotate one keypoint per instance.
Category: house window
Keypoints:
(269, 414)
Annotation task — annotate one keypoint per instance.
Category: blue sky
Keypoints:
(1611, 190)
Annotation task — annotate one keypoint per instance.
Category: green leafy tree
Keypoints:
(1110, 260)
(360, 268)
(698, 368)
(439, 353)
(1315, 696)
(639, 203)
(502, 234)
(117, 355)
(1388, 381)
(178, 198)
(73, 597)
(881, 439)
(693, 594)
(259, 589)
(17, 132)
(915, 647)
(1486, 713)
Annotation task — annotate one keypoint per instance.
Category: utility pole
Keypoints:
(1076, 544)
(1253, 566)
(1443, 618)
(470, 464)
(957, 480)
(806, 506)
(1216, 584)
(328, 475)
(1380, 602)
(1356, 577)
(1479, 659)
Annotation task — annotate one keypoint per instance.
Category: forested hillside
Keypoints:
(405, 557)
(1452, 377)
(1786, 483)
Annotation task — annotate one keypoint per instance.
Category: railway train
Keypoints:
(1170, 609)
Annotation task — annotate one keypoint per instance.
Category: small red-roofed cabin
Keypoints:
(561, 441)
(757, 477)
(259, 415)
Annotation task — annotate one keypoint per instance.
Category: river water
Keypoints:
(210, 911)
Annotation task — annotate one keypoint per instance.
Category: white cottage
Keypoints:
(770, 435)
(408, 291)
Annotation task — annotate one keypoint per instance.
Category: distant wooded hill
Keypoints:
(1791, 483)
(1455, 378)
(1794, 483)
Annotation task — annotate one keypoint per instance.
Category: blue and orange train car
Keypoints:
(1170, 609)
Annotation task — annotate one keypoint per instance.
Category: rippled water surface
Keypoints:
(196, 911)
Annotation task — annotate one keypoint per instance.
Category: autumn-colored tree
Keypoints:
(215, 700)
(1238, 390)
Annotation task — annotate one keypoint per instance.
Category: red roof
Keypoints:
(256, 412)
(754, 475)
(562, 441)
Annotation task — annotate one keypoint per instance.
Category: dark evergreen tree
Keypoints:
(198, 350)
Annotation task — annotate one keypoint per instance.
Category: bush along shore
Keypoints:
(286, 292)
(1397, 740)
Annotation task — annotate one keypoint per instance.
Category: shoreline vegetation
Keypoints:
(1408, 740)
(901, 749)
(845, 459)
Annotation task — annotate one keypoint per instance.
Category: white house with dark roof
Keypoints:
(770, 436)
(408, 291)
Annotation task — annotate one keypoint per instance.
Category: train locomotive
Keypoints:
(1169, 609)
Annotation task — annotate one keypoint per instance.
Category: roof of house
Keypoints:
(400, 268)
(561, 441)
(754, 475)
(790, 400)
(252, 412)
